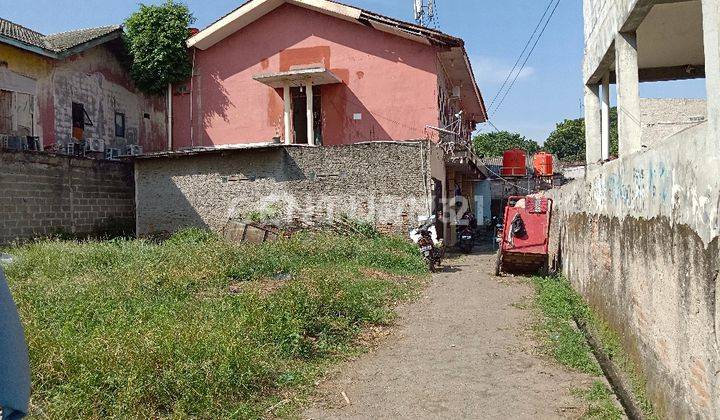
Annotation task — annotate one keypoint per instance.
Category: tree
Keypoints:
(155, 38)
(494, 144)
(567, 142)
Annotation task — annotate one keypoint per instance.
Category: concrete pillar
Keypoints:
(288, 113)
(605, 112)
(628, 93)
(593, 133)
(711, 36)
(310, 116)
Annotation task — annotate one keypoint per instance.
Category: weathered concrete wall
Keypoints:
(94, 78)
(42, 194)
(662, 118)
(384, 182)
(391, 81)
(638, 237)
(603, 19)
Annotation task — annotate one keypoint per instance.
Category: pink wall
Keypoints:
(392, 81)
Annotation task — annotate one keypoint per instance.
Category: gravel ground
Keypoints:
(464, 350)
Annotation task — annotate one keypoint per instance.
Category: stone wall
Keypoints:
(42, 195)
(638, 238)
(388, 183)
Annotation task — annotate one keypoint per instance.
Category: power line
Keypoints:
(522, 54)
(537, 40)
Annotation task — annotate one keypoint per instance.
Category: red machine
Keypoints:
(524, 239)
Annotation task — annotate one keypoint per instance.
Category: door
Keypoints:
(299, 115)
(78, 121)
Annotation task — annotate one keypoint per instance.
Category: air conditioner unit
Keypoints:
(112, 154)
(33, 143)
(134, 150)
(131, 150)
(14, 143)
(95, 145)
(4, 138)
(73, 149)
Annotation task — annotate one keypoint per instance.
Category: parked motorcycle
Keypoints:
(466, 232)
(498, 238)
(431, 247)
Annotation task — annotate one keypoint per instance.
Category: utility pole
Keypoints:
(425, 13)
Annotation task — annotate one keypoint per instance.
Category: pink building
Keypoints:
(372, 78)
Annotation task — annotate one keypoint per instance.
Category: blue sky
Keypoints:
(547, 91)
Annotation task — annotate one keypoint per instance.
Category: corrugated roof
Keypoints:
(56, 44)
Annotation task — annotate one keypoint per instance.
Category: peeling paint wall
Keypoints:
(94, 78)
(638, 237)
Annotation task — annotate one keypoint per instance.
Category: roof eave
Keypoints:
(28, 47)
(478, 94)
(216, 32)
(61, 55)
(91, 44)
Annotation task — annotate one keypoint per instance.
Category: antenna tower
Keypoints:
(425, 13)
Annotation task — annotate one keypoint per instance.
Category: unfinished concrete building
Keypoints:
(639, 234)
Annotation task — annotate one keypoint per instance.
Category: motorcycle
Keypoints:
(432, 249)
(466, 232)
(498, 239)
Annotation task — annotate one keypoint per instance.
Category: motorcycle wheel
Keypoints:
(431, 265)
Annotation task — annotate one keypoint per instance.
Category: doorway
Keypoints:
(299, 115)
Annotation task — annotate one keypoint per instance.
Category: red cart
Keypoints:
(523, 241)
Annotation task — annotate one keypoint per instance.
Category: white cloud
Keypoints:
(493, 71)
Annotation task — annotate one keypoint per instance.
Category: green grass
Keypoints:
(195, 326)
(600, 403)
(559, 305)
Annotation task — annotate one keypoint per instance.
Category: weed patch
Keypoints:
(195, 326)
(600, 402)
(560, 305)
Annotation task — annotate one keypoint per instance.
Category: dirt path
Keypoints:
(462, 351)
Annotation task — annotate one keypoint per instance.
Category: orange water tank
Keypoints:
(514, 163)
(543, 164)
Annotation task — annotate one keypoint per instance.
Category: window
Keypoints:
(5, 112)
(80, 119)
(16, 113)
(119, 124)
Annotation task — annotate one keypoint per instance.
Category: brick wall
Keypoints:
(44, 194)
(387, 183)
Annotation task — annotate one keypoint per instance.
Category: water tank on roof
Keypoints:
(543, 164)
(514, 163)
